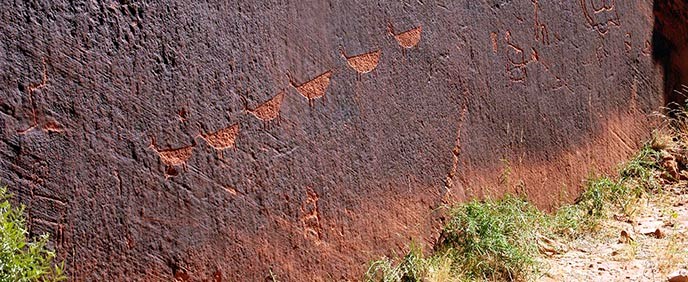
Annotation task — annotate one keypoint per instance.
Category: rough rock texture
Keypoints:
(304, 138)
(670, 42)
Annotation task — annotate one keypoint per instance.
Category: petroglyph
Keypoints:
(222, 139)
(601, 53)
(601, 14)
(407, 39)
(314, 88)
(42, 226)
(310, 220)
(182, 115)
(32, 169)
(628, 42)
(32, 101)
(172, 157)
(53, 126)
(541, 31)
(230, 190)
(449, 181)
(410, 38)
(516, 67)
(46, 213)
(363, 63)
(493, 37)
(633, 105)
(647, 50)
(560, 82)
(50, 198)
(268, 110)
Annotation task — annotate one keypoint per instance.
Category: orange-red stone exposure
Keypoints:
(223, 138)
(364, 63)
(409, 38)
(503, 97)
(316, 87)
(268, 110)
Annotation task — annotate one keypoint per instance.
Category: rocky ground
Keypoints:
(649, 245)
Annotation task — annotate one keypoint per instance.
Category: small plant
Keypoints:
(505, 175)
(22, 259)
(672, 254)
(636, 178)
(493, 238)
(641, 169)
(594, 199)
(604, 194)
(413, 267)
(569, 221)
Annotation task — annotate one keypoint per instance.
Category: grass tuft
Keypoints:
(491, 239)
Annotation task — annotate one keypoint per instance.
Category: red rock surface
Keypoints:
(671, 47)
(466, 99)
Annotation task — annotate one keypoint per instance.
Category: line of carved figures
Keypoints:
(269, 110)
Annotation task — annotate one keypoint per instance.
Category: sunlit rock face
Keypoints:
(198, 141)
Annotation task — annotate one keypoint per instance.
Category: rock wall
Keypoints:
(206, 141)
(670, 42)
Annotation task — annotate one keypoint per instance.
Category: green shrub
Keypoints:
(22, 259)
(413, 267)
(493, 238)
(600, 191)
(640, 171)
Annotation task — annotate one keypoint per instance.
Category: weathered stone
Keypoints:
(625, 237)
(411, 103)
(670, 44)
(678, 276)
